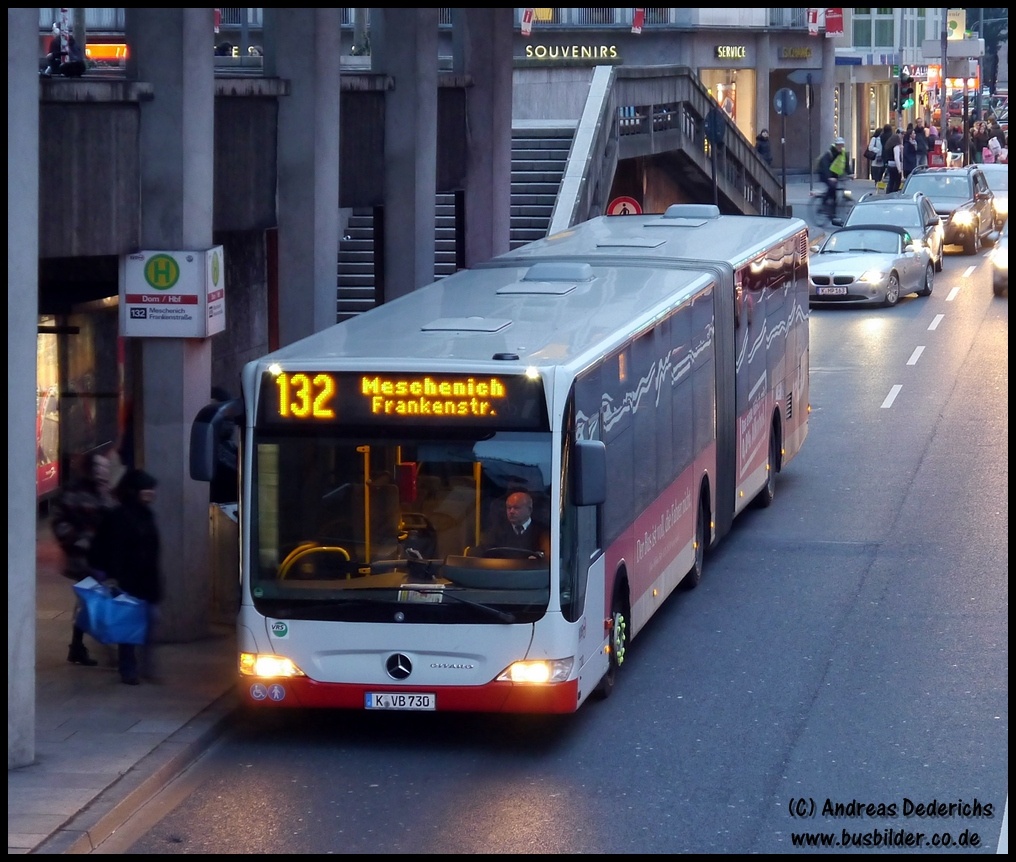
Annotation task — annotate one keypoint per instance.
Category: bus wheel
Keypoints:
(768, 493)
(694, 576)
(618, 647)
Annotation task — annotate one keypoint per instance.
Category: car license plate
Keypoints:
(399, 700)
(831, 291)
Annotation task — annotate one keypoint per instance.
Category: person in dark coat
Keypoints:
(764, 147)
(978, 141)
(892, 152)
(50, 64)
(126, 548)
(954, 140)
(518, 529)
(923, 142)
(910, 152)
(995, 130)
(75, 517)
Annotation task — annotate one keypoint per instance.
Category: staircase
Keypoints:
(356, 289)
(445, 252)
(539, 156)
(356, 266)
(538, 162)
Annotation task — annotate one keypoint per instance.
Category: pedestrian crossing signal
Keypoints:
(906, 91)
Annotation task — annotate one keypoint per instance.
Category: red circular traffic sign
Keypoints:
(624, 206)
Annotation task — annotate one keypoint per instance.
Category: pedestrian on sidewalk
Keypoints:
(923, 142)
(910, 151)
(873, 155)
(893, 149)
(126, 548)
(75, 517)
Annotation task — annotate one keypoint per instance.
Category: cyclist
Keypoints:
(831, 168)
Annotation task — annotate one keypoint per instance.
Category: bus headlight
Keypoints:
(267, 666)
(537, 672)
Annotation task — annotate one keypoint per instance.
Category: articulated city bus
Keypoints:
(640, 379)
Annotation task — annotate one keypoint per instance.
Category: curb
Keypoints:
(86, 831)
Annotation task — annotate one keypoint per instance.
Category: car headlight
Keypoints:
(872, 276)
(1002, 207)
(1000, 258)
(963, 218)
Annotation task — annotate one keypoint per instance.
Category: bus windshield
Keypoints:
(369, 526)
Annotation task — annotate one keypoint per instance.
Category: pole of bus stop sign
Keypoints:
(785, 102)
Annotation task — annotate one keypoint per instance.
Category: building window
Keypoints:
(874, 28)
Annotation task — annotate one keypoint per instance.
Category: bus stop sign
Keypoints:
(716, 125)
(785, 101)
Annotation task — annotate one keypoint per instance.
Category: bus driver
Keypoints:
(518, 529)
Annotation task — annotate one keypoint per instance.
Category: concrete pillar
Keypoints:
(302, 47)
(763, 88)
(825, 96)
(483, 50)
(172, 50)
(404, 45)
(22, 326)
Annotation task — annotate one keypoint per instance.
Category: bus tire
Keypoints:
(619, 621)
(694, 576)
(768, 493)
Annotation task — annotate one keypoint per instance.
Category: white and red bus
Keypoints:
(642, 378)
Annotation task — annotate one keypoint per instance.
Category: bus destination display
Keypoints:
(365, 398)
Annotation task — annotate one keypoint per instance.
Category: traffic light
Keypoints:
(895, 104)
(906, 90)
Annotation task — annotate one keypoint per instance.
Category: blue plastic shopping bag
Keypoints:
(110, 615)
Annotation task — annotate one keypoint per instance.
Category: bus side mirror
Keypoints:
(204, 436)
(589, 476)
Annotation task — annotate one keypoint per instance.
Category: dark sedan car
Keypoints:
(997, 176)
(963, 200)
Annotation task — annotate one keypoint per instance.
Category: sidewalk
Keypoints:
(799, 198)
(104, 748)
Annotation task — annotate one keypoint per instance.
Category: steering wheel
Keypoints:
(513, 553)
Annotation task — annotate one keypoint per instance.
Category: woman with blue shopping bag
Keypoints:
(126, 548)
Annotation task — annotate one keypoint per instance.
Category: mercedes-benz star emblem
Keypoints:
(399, 666)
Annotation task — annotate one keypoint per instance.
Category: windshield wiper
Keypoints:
(503, 616)
(311, 609)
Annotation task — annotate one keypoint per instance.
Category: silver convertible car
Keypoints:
(869, 265)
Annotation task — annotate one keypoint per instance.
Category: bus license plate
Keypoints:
(399, 700)
(832, 291)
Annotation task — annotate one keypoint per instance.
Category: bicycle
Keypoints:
(820, 214)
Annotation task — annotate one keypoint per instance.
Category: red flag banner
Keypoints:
(833, 22)
(527, 22)
(812, 22)
(637, 20)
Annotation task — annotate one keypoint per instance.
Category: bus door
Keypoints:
(751, 380)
